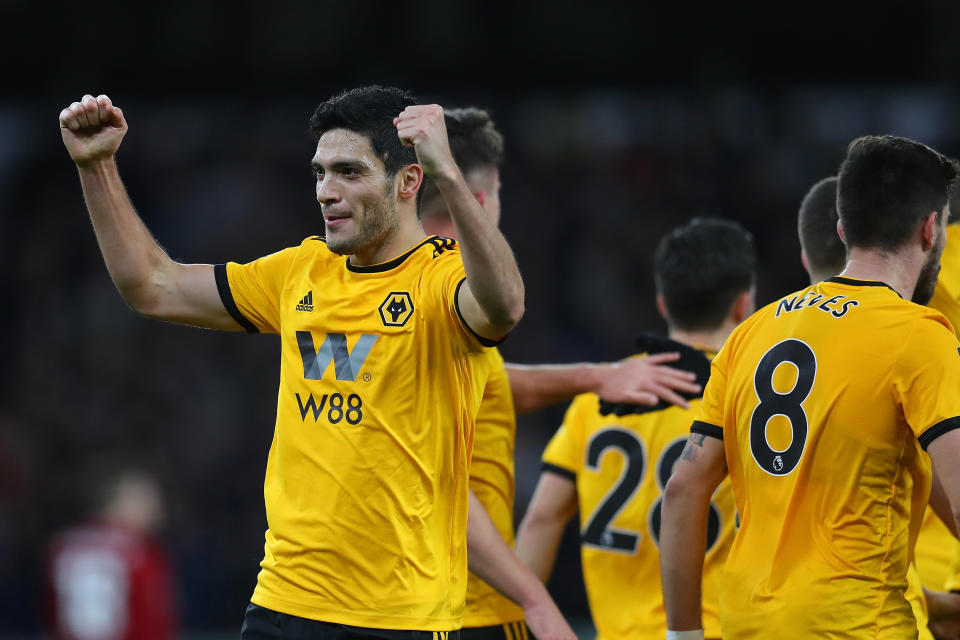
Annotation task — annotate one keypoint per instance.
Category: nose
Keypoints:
(326, 192)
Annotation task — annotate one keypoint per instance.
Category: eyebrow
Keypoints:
(338, 165)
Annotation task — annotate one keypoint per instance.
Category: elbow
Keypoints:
(508, 317)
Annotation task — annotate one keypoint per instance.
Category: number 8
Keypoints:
(789, 405)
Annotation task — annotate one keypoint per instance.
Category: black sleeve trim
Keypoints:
(707, 429)
(938, 430)
(546, 467)
(226, 296)
(487, 342)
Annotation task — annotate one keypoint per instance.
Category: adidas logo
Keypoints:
(307, 303)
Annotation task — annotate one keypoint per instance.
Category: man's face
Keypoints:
(354, 192)
(927, 280)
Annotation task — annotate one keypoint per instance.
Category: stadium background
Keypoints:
(620, 124)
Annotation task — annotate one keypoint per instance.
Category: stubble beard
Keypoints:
(927, 280)
(377, 223)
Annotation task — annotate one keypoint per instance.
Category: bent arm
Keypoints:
(149, 281)
(553, 504)
(491, 300)
(642, 381)
(491, 558)
(686, 500)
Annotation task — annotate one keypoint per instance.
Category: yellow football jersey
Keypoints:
(936, 546)
(953, 577)
(918, 603)
(366, 481)
(620, 464)
(491, 480)
(824, 399)
(934, 551)
(946, 297)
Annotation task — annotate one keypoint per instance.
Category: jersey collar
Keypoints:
(853, 282)
(395, 262)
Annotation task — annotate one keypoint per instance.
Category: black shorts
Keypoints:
(509, 631)
(265, 624)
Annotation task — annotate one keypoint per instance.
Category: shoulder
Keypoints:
(931, 323)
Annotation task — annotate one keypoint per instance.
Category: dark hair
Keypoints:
(700, 268)
(474, 142)
(887, 186)
(817, 227)
(369, 111)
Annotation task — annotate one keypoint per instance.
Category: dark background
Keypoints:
(621, 122)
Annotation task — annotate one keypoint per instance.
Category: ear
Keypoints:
(481, 197)
(742, 306)
(804, 261)
(662, 307)
(928, 231)
(408, 181)
(840, 232)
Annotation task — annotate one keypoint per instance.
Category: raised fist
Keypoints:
(422, 127)
(92, 129)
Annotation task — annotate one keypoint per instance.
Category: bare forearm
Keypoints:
(538, 386)
(537, 544)
(490, 266)
(683, 528)
(492, 559)
(135, 261)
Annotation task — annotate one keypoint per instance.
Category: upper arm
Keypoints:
(188, 294)
(945, 451)
(940, 503)
(476, 320)
(701, 468)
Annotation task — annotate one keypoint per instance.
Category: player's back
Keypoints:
(620, 464)
(817, 400)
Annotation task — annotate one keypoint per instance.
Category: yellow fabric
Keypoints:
(620, 554)
(934, 552)
(938, 553)
(946, 297)
(491, 480)
(366, 481)
(953, 577)
(829, 519)
(918, 603)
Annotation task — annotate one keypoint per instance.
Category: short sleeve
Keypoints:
(564, 453)
(251, 292)
(926, 380)
(711, 419)
(442, 281)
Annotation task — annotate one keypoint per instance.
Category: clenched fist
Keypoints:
(422, 127)
(92, 129)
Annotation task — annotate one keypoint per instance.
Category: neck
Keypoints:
(894, 269)
(707, 339)
(405, 235)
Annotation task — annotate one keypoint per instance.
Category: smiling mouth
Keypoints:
(333, 221)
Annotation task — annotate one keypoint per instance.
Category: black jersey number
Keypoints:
(597, 531)
(790, 405)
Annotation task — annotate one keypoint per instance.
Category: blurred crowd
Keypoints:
(591, 181)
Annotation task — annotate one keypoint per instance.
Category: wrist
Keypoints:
(96, 165)
(695, 634)
(592, 376)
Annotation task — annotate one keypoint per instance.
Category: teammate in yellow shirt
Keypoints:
(824, 256)
(381, 329)
(477, 147)
(612, 461)
(820, 405)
